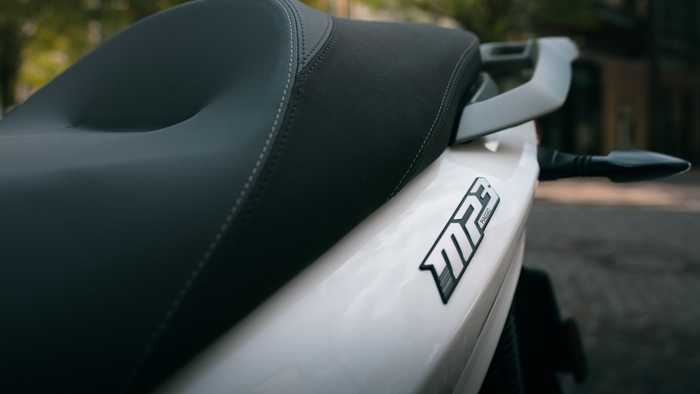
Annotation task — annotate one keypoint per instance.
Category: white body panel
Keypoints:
(364, 318)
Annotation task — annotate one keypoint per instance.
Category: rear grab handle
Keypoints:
(545, 92)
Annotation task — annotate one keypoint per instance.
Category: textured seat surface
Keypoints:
(164, 186)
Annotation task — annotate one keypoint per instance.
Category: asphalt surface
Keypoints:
(630, 275)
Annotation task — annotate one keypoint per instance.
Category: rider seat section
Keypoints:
(172, 180)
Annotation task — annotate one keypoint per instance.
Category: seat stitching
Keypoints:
(322, 40)
(280, 146)
(303, 35)
(202, 262)
(308, 55)
(443, 106)
(300, 23)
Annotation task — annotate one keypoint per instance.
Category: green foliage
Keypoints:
(320, 4)
(496, 20)
(40, 38)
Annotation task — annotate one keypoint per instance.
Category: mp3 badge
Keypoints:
(455, 247)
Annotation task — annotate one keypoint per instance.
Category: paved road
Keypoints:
(630, 275)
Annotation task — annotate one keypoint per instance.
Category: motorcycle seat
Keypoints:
(168, 183)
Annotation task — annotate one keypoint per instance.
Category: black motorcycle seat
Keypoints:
(165, 185)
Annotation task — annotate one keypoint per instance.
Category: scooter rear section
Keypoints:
(369, 316)
(249, 196)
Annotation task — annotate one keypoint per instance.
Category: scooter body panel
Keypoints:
(365, 318)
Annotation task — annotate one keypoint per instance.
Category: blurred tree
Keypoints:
(12, 15)
(9, 62)
(495, 20)
(40, 38)
(320, 4)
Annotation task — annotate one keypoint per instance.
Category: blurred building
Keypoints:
(637, 83)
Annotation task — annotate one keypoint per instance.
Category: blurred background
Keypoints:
(625, 261)
(636, 84)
